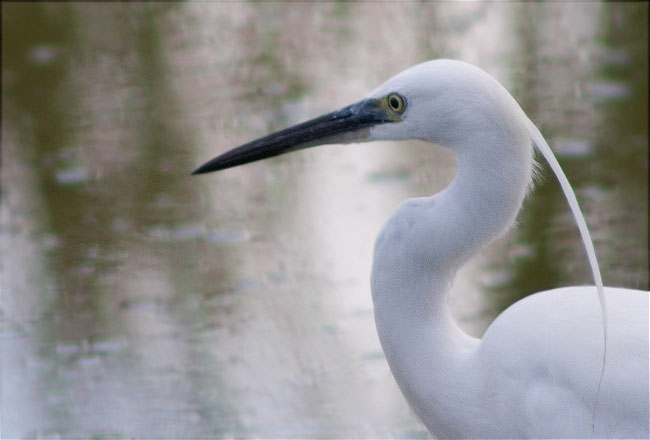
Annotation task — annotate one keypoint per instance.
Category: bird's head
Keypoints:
(446, 102)
(440, 101)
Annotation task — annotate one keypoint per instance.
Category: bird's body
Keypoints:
(549, 369)
(533, 374)
(536, 371)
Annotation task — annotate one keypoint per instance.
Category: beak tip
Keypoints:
(205, 168)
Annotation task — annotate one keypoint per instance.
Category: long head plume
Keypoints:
(546, 151)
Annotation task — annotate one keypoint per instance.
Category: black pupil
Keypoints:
(394, 102)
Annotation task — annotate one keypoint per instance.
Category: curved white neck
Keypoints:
(416, 257)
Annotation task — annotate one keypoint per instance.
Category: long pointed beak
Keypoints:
(349, 124)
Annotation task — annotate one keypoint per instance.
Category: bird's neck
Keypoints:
(482, 202)
(416, 257)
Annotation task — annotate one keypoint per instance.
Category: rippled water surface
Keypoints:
(139, 301)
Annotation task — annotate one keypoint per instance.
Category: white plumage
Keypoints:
(536, 373)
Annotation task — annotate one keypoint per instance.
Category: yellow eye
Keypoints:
(395, 102)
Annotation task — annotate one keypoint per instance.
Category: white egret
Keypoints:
(536, 372)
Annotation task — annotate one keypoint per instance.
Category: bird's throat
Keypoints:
(417, 254)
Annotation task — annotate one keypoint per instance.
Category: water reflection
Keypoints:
(141, 302)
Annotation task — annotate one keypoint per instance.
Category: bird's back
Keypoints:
(544, 356)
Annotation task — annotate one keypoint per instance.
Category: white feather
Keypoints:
(536, 371)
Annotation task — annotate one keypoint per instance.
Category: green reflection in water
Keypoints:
(609, 170)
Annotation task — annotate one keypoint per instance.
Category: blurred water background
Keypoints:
(141, 302)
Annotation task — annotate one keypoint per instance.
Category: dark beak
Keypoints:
(350, 124)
